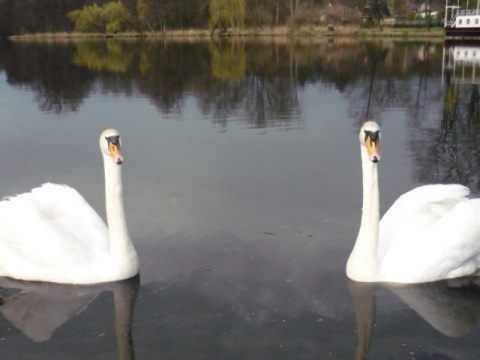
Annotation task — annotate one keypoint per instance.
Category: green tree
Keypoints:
(155, 15)
(7, 13)
(107, 18)
(267, 12)
(226, 13)
(144, 13)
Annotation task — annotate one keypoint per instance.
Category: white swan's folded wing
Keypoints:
(71, 213)
(415, 211)
(49, 228)
(448, 248)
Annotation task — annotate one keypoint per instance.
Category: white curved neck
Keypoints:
(362, 263)
(121, 247)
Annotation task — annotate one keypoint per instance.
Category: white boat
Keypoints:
(464, 22)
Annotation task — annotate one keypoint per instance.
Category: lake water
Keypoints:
(242, 184)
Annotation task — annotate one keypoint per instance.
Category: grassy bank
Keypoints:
(340, 31)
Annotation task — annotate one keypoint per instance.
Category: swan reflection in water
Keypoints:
(452, 307)
(38, 309)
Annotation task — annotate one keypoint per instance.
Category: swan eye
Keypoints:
(373, 135)
(114, 139)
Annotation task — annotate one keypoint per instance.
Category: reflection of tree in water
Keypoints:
(257, 101)
(453, 151)
(392, 76)
(444, 123)
(46, 70)
(274, 101)
(102, 56)
(261, 101)
(62, 75)
(264, 96)
(228, 62)
(374, 91)
(255, 82)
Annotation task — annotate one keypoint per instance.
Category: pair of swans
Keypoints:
(52, 234)
(430, 233)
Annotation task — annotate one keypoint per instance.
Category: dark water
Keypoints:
(242, 193)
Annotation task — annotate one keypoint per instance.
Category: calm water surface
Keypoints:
(242, 193)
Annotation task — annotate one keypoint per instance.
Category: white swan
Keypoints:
(52, 234)
(430, 233)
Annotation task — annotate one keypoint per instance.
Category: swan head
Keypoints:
(110, 144)
(370, 140)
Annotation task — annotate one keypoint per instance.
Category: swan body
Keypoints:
(52, 234)
(430, 233)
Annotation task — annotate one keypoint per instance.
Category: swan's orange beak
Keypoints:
(114, 149)
(372, 141)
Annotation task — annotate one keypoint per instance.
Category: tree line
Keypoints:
(37, 16)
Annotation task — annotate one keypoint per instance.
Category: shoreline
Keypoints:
(340, 31)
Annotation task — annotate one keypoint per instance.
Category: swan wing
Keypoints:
(415, 211)
(70, 213)
(50, 228)
(447, 248)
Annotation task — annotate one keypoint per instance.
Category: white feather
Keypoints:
(430, 233)
(52, 234)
